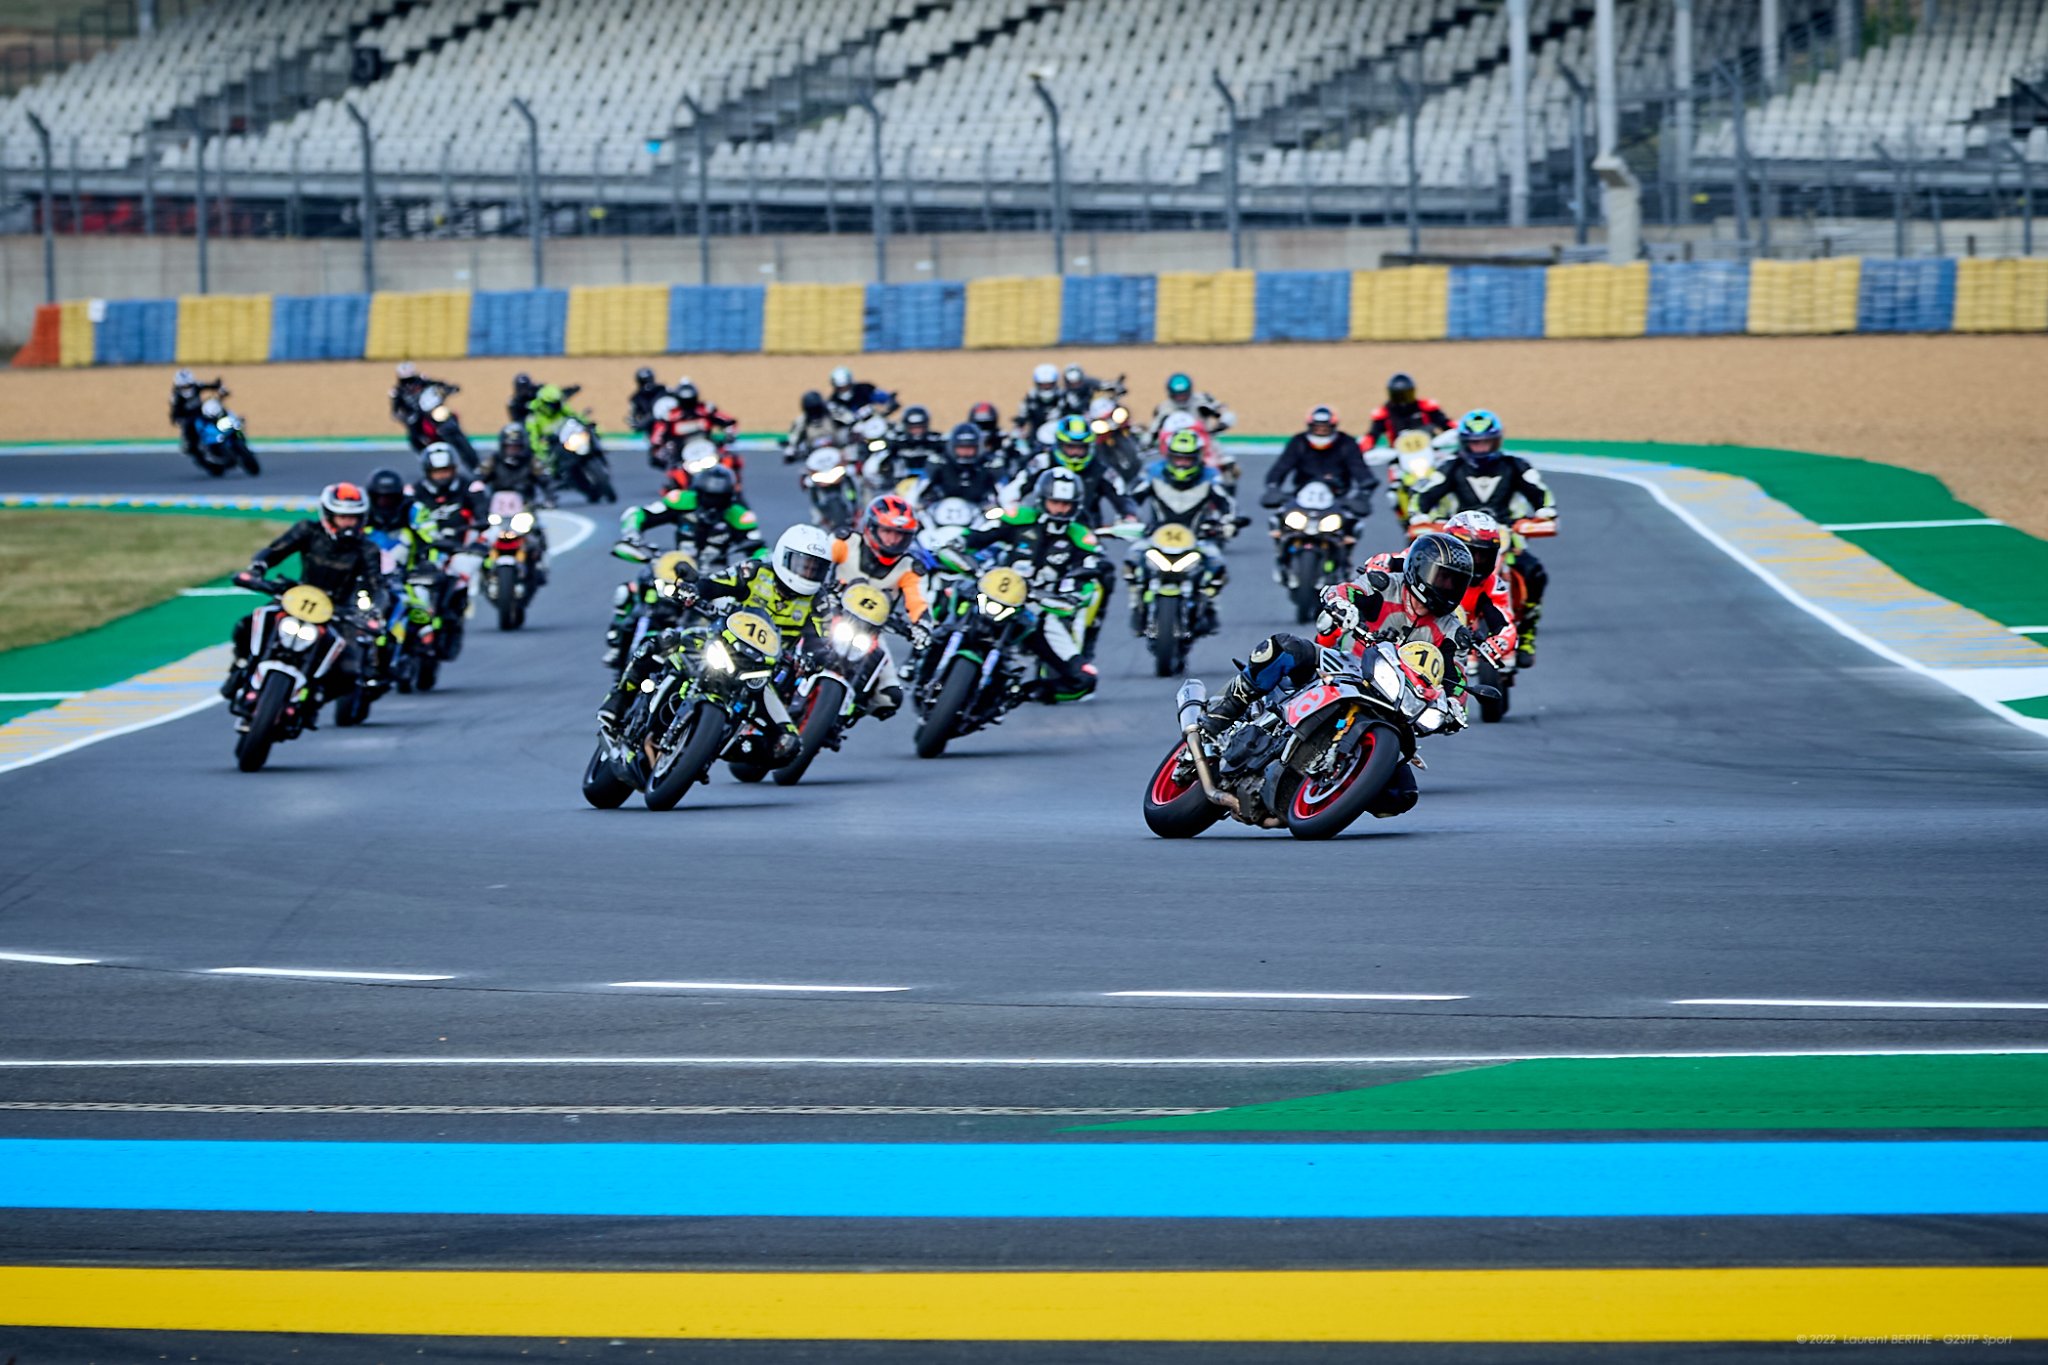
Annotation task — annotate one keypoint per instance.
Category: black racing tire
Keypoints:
(821, 717)
(248, 459)
(1305, 563)
(215, 470)
(1169, 615)
(511, 607)
(451, 638)
(602, 785)
(1493, 709)
(963, 676)
(1173, 811)
(465, 450)
(707, 736)
(405, 675)
(353, 709)
(747, 772)
(252, 749)
(428, 675)
(1318, 810)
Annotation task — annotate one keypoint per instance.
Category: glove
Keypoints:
(1339, 613)
(1379, 580)
(920, 636)
(1465, 638)
(1272, 497)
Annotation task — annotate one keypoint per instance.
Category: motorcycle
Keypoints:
(580, 461)
(223, 444)
(834, 486)
(976, 668)
(1314, 537)
(655, 606)
(294, 642)
(703, 706)
(1167, 580)
(1498, 676)
(430, 419)
(512, 558)
(833, 692)
(430, 632)
(1310, 761)
(1414, 464)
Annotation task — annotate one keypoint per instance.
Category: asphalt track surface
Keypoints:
(1701, 793)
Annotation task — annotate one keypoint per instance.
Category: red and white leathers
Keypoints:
(856, 563)
(1496, 591)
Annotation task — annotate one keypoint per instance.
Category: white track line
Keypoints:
(2028, 630)
(212, 592)
(324, 974)
(39, 696)
(950, 1063)
(1875, 1004)
(1907, 525)
(73, 746)
(1278, 995)
(755, 986)
(46, 960)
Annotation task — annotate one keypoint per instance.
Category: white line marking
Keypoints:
(2028, 630)
(322, 974)
(39, 696)
(580, 530)
(839, 1110)
(1878, 1004)
(1280, 995)
(1567, 465)
(913, 1063)
(48, 961)
(72, 746)
(1907, 525)
(212, 592)
(755, 986)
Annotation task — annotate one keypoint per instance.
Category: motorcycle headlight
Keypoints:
(717, 657)
(699, 465)
(758, 678)
(877, 447)
(863, 641)
(577, 442)
(225, 424)
(994, 610)
(842, 634)
(1158, 561)
(1430, 719)
(1333, 522)
(497, 520)
(826, 478)
(522, 522)
(1387, 679)
(1296, 521)
(441, 414)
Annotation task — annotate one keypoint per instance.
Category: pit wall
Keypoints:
(1418, 303)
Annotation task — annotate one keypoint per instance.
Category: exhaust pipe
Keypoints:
(1215, 793)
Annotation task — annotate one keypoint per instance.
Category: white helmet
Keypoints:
(211, 409)
(1045, 377)
(665, 408)
(405, 369)
(183, 379)
(803, 559)
(842, 378)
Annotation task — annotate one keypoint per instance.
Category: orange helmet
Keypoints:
(888, 526)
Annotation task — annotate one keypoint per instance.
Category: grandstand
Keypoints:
(782, 88)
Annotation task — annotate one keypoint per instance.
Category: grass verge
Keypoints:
(63, 572)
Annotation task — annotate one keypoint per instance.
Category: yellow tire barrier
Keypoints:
(814, 319)
(624, 319)
(1803, 298)
(223, 329)
(1203, 308)
(1601, 300)
(431, 326)
(75, 337)
(1011, 312)
(1991, 296)
(1404, 304)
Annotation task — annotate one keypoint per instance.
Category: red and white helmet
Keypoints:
(1483, 536)
(887, 528)
(1322, 427)
(339, 500)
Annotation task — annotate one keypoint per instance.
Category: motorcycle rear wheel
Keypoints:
(821, 717)
(429, 674)
(252, 749)
(1173, 811)
(1494, 709)
(1325, 808)
(353, 709)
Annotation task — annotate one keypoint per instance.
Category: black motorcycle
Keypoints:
(220, 442)
(580, 461)
(294, 643)
(1314, 536)
(976, 668)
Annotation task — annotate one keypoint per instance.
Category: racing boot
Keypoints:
(613, 709)
(888, 701)
(237, 680)
(1525, 644)
(787, 745)
(1227, 707)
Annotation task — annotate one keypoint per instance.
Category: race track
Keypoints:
(1701, 794)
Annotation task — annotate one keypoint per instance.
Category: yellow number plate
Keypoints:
(309, 604)
(1426, 659)
(1005, 586)
(1174, 536)
(867, 603)
(757, 631)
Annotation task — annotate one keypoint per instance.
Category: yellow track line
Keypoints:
(1744, 1304)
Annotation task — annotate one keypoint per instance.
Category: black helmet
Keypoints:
(387, 499)
(964, 444)
(714, 487)
(512, 436)
(438, 460)
(1061, 486)
(643, 376)
(685, 391)
(1437, 572)
(1074, 376)
(917, 420)
(522, 383)
(814, 404)
(984, 416)
(1401, 389)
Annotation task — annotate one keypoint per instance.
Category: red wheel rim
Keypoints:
(1165, 789)
(1311, 797)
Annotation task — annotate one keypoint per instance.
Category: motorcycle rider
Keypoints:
(333, 557)
(1180, 488)
(1484, 477)
(986, 420)
(640, 406)
(712, 526)
(912, 447)
(1078, 389)
(510, 468)
(857, 398)
(457, 506)
(1403, 411)
(816, 425)
(409, 383)
(544, 417)
(1320, 453)
(964, 473)
(523, 390)
(1042, 403)
(784, 588)
(1074, 450)
(880, 556)
(1485, 538)
(1181, 396)
(188, 397)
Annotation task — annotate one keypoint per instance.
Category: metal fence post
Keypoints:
(1732, 77)
(909, 191)
(881, 206)
(1411, 95)
(149, 182)
(369, 209)
(1579, 205)
(199, 197)
(42, 133)
(1230, 205)
(988, 189)
(2026, 194)
(1898, 196)
(596, 214)
(448, 181)
(533, 188)
(702, 136)
(1059, 179)
(77, 200)
(295, 208)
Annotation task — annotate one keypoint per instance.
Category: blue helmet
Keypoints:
(1480, 435)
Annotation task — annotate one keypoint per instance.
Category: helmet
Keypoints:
(1322, 426)
(685, 390)
(714, 486)
(211, 410)
(1481, 535)
(548, 396)
(1057, 486)
(803, 559)
(1437, 573)
(1479, 437)
(1177, 421)
(1183, 457)
(888, 526)
(964, 442)
(522, 382)
(665, 408)
(1045, 378)
(1401, 389)
(917, 420)
(842, 378)
(387, 498)
(1075, 440)
(814, 404)
(643, 376)
(1180, 388)
(407, 370)
(184, 379)
(339, 500)
(1074, 375)
(438, 458)
(512, 436)
(985, 417)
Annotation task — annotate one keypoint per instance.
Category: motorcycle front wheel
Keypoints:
(602, 785)
(699, 750)
(963, 676)
(1305, 567)
(511, 606)
(252, 749)
(1323, 807)
(1168, 648)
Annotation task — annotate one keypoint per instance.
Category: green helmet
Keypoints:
(548, 396)
(1075, 442)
